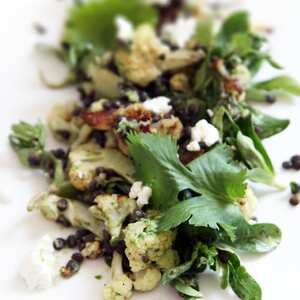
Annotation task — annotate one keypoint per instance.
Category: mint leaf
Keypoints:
(281, 83)
(214, 175)
(92, 22)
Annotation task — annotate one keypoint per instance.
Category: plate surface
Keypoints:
(23, 97)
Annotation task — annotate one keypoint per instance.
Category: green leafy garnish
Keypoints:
(214, 175)
(93, 22)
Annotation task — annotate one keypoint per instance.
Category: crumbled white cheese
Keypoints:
(203, 132)
(141, 193)
(158, 2)
(41, 267)
(193, 146)
(179, 32)
(158, 105)
(125, 29)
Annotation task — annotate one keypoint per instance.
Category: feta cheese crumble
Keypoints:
(141, 193)
(41, 267)
(158, 105)
(179, 32)
(203, 132)
(125, 29)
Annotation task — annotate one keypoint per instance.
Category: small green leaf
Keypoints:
(266, 125)
(201, 211)
(204, 33)
(241, 281)
(282, 83)
(257, 238)
(247, 128)
(185, 289)
(92, 23)
(236, 23)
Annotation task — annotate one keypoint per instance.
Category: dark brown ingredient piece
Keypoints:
(103, 120)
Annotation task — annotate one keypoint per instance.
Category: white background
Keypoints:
(23, 97)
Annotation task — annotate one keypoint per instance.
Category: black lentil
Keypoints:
(72, 241)
(59, 153)
(270, 99)
(62, 204)
(59, 244)
(34, 160)
(78, 257)
(63, 221)
(99, 137)
(294, 200)
(287, 165)
(64, 134)
(89, 238)
(295, 160)
(80, 233)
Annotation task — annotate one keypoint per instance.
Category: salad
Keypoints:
(160, 150)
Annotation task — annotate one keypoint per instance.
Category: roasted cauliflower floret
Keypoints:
(113, 210)
(140, 65)
(87, 158)
(148, 57)
(146, 280)
(77, 214)
(62, 122)
(169, 260)
(121, 286)
(145, 245)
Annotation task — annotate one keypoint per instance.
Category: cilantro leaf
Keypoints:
(186, 290)
(201, 211)
(214, 175)
(92, 22)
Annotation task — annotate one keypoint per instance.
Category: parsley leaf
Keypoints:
(213, 175)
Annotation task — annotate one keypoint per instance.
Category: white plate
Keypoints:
(24, 97)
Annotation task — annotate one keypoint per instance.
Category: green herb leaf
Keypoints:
(282, 83)
(214, 175)
(92, 22)
(236, 23)
(247, 128)
(186, 290)
(266, 125)
(241, 281)
(257, 238)
(204, 32)
(201, 211)
(27, 140)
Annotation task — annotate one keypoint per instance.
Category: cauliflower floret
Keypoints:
(141, 64)
(62, 122)
(146, 280)
(169, 260)
(148, 57)
(144, 244)
(121, 286)
(113, 210)
(85, 159)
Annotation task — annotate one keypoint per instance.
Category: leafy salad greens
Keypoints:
(162, 145)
